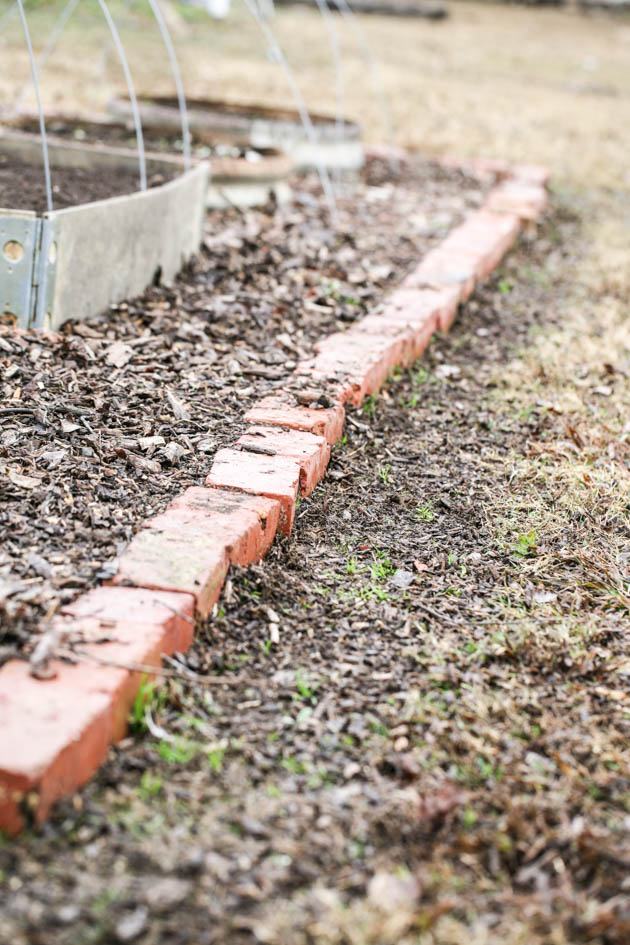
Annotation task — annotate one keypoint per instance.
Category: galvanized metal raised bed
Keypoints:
(76, 262)
(336, 144)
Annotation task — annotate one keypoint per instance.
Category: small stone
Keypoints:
(131, 926)
(68, 914)
(402, 579)
(165, 894)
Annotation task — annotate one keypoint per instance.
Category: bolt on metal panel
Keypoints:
(19, 243)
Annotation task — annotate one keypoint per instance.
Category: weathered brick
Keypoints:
(312, 453)
(442, 268)
(53, 739)
(170, 557)
(244, 525)
(494, 168)
(354, 364)
(528, 201)
(56, 732)
(111, 605)
(272, 476)
(532, 173)
(483, 240)
(280, 412)
(405, 335)
(430, 309)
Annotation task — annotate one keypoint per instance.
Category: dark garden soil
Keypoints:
(103, 424)
(22, 185)
(392, 737)
(119, 135)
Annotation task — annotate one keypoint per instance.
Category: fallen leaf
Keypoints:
(118, 354)
(391, 891)
(173, 452)
(24, 482)
(178, 407)
(67, 426)
(448, 370)
(402, 579)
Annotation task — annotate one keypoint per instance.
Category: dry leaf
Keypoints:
(118, 354)
(178, 406)
(24, 482)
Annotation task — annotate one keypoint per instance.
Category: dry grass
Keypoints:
(569, 494)
(544, 85)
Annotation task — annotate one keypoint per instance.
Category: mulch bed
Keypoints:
(368, 755)
(103, 424)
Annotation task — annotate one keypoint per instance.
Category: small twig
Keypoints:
(437, 614)
(14, 411)
(149, 670)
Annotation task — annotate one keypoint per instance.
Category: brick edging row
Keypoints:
(57, 732)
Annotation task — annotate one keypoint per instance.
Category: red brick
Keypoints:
(484, 239)
(526, 200)
(272, 476)
(532, 173)
(244, 525)
(130, 605)
(354, 364)
(312, 453)
(173, 557)
(440, 269)
(53, 739)
(56, 732)
(430, 308)
(478, 167)
(406, 336)
(278, 412)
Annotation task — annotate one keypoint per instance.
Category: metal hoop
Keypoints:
(335, 48)
(40, 110)
(305, 118)
(177, 77)
(120, 49)
(372, 63)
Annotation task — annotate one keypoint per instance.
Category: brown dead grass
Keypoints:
(545, 85)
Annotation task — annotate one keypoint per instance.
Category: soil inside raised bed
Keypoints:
(104, 423)
(119, 135)
(22, 185)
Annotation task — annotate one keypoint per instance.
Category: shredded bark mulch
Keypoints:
(103, 424)
(398, 730)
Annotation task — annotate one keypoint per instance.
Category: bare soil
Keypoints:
(120, 135)
(103, 424)
(407, 725)
(22, 185)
